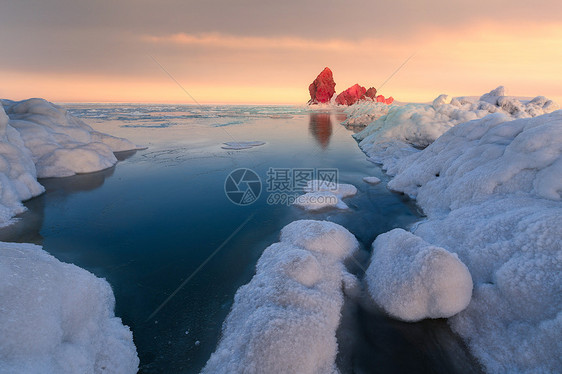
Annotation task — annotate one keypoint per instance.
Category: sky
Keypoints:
(261, 51)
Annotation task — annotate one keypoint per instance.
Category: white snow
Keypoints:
(371, 180)
(285, 319)
(39, 139)
(364, 112)
(479, 159)
(406, 129)
(325, 194)
(491, 189)
(58, 318)
(412, 280)
(242, 145)
(18, 175)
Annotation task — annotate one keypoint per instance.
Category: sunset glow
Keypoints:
(221, 67)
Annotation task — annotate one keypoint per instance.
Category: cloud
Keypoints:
(215, 46)
(217, 40)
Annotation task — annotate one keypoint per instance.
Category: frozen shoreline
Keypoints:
(56, 317)
(490, 188)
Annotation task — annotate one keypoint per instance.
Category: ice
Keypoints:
(39, 139)
(325, 194)
(371, 180)
(412, 280)
(58, 318)
(242, 145)
(406, 129)
(54, 137)
(364, 112)
(285, 319)
(18, 175)
(491, 189)
(320, 236)
(341, 190)
(491, 156)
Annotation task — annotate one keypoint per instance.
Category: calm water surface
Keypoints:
(150, 222)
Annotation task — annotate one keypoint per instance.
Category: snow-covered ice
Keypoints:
(285, 319)
(39, 139)
(406, 129)
(364, 112)
(242, 145)
(58, 318)
(491, 189)
(491, 156)
(325, 194)
(18, 175)
(371, 180)
(412, 280)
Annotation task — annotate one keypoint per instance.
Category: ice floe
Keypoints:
(371, 180)
(241, 145)
(325, 194)
(58, 318)
(285, 319)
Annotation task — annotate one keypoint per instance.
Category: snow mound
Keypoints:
(242, 145)
(285, 319)
(324, 194)
(491, 156)
(406, 129)
(412, 280)
(320, 236)
(491, 189)
(371, 180)
(58, 318)
(39, 139)
(61, 145)
(18, 175)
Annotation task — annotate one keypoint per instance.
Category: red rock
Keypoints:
(380, 99)
(323, 87)
(389, 101)
(371, 92)
(351, 95)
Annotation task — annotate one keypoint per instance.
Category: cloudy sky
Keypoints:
(261, 51)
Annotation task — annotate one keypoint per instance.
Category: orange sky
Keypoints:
(221, 67)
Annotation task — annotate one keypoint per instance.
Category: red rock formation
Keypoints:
(389, 100)
(371, 92)
(351, 95)
(380, 99)
(323, 87)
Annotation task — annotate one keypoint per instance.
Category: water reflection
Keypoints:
(77, 183)
(320, 126)
(27, 226)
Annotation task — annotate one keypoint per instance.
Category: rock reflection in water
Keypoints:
(320, 126)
